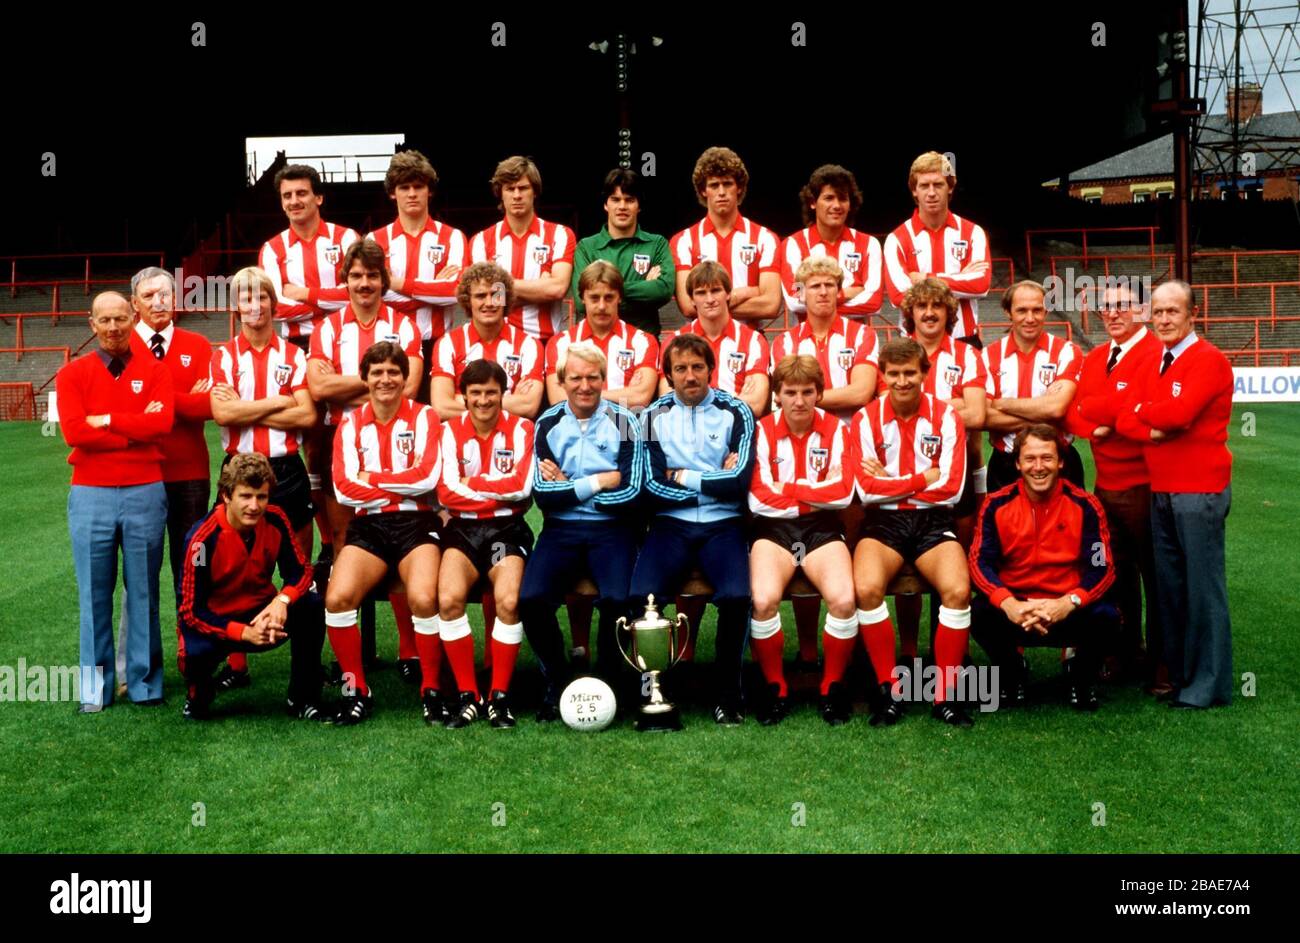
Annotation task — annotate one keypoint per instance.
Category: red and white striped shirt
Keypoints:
(533, 255)
(738, 352)
(847, 344)
(1012, 374)
(520, 356)
(860, 257)
(933, 438)
(942, 253)
(746, 252)
(627, 349)
(953, 367)
(418, 260)
(402, 457)
(499, 467)
(343, 341)
(314, 265)
(279, 369)
(817, 468)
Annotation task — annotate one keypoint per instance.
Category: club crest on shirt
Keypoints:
(405, 441)
(736, 362)
(283, 373)
(503, 460)
(333, 254)
(513, 364)
(185, 360)
(748, 253)
(931, 445)
(960, 249)
(138, 385)
(852, 262)
(1121, 386)
(391, 337)
(624, 359)
(541, 253)
(640, 263)
(435, 252)
(817, 459)
(1177, 388)
(844, 357)
(952, 375)
(1046, 374)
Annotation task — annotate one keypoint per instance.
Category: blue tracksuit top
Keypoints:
(698, 439)
(611, 441)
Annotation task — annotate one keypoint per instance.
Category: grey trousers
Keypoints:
(1187, 537)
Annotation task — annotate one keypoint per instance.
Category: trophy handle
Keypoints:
(620, 627)
(681, 636)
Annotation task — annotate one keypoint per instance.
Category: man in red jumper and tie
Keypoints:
(114, 406)
(1180, 411)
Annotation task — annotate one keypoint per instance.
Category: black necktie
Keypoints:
(116, 366)
(1165, 362)
(157, 346)
(1114, 359)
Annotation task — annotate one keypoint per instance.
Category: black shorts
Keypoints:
(910, 533)
(391, 536)
(799, 535)
(489, 541)
(292, 491)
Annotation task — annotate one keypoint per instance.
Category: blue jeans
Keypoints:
(100, 519)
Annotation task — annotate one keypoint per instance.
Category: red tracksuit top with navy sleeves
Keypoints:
(1041, 549)
(1121, 462)
(1191, 404)
(185, 450)
(128, 451)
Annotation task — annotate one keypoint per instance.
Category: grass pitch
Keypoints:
(144, 780)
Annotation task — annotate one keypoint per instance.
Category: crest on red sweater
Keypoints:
(185, 360)
(931, 445)
(1177, 388)
(138, 385)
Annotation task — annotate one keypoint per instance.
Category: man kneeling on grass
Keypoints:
(227, 602)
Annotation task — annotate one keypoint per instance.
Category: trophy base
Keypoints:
(659, 721)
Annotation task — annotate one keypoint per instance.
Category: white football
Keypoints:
(587, 704)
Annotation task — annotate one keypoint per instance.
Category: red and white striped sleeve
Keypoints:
(869, 300)
(533, 362)
(756, 357)
(972, 284)
(219, 370)
(444, 357)
(952, 458)
(877, 489)
(518, 484)
(451, 493)
(443, 292)
(791, 259)
(835, 491)
(426, 467)
(763, 497)
(899, 260)
(347, 465)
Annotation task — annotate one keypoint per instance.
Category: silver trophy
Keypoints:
(656, 644)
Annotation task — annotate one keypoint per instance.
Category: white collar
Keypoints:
(1129, 344)
(146, 333)
(1180, 348)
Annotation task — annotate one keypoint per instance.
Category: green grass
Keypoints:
(127, 780)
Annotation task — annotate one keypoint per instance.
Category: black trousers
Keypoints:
(187, 503)
(202, 652)
(1090, 630)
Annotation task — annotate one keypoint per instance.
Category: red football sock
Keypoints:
(806, 611)
(346, 642)
(429, 650)
(405, 628)
(878, 635)
(838, 650)
(506, 639)
(908, 607)
(950, 643)
(238, 661)
(459, 650)
(768, 652)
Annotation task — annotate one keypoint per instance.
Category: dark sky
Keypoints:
(148, 130)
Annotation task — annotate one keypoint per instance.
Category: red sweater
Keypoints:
(1098, 401)
(185, 450)
(126, 452)
(1192, 404)
(1041, 549)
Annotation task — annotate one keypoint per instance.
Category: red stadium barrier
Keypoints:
(84, 257)
(1083, 235)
